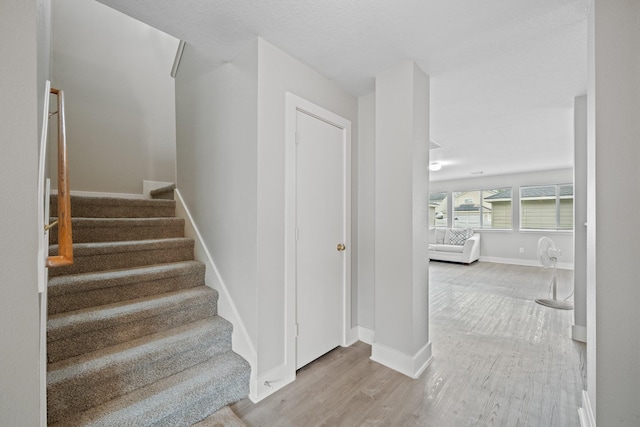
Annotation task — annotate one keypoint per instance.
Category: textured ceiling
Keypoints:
(504, 73)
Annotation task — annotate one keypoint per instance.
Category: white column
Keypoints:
(401, 208)
(579, 329)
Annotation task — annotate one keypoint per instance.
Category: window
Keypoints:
(438, 210)
(486, 209)
(546, 207)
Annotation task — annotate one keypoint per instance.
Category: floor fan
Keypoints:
(548, 255)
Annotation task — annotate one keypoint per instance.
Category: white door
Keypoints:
(320, 222)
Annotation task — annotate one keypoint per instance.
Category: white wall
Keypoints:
(216, 107)
(504, 246)
(24, 52)
(366, 207)
(279, 73)
(231, 165)
(44, 53)
(115, 72)
(614, 94)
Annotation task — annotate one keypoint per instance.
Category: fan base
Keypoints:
(554, 303)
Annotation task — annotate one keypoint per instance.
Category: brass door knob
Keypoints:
(341, 247)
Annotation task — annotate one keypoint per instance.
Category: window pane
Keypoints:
(438, 209)
(497, 211)
(547, 207)
(466, 209)
(538, 214)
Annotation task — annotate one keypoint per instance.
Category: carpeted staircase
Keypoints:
(133, 335)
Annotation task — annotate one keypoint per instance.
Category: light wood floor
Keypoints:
(499, 360)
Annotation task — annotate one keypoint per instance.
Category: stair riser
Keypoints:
(82, 393)
(118, 260)
(106, 208)
(137, 287)
(84, 342)
(85, 233)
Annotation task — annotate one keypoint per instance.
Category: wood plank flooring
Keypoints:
(499, 360)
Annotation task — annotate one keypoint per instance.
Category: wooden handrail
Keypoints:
(65, 241)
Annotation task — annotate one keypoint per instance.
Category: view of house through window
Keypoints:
(438, 210)
(542, 207)
(489, 209)
(546, 207)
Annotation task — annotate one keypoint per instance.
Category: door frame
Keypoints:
(293, 104)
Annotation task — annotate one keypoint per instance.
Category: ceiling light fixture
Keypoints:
(435, 166)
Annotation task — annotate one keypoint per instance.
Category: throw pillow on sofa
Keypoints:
(458, 236)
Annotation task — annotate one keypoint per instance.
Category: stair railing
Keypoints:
(65, 241)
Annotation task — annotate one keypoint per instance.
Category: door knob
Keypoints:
(341, 247)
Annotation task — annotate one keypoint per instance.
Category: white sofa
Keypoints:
(460, 245)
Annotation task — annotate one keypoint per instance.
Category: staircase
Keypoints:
(133, 335)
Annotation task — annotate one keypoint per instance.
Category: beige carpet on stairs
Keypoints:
(134, 338)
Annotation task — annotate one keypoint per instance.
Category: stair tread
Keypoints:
(72, 292)
(120, 222)
(95, 248)
(151, 404)
(101, 256)
(87, 230)
(64, 324)
(94, 280)
(136, 350)
(114, 207)
(91, 200)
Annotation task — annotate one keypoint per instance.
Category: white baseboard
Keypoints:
(585, 414)
(351, 337)
(411, 366)
(366, 335)
(270, 382)
(149, 186)
(241, 342)
(525, 262)
(103, 194)
(579, 333)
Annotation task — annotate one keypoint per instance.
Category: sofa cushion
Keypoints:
(437, 235)
(458, 236)
(446, 248)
